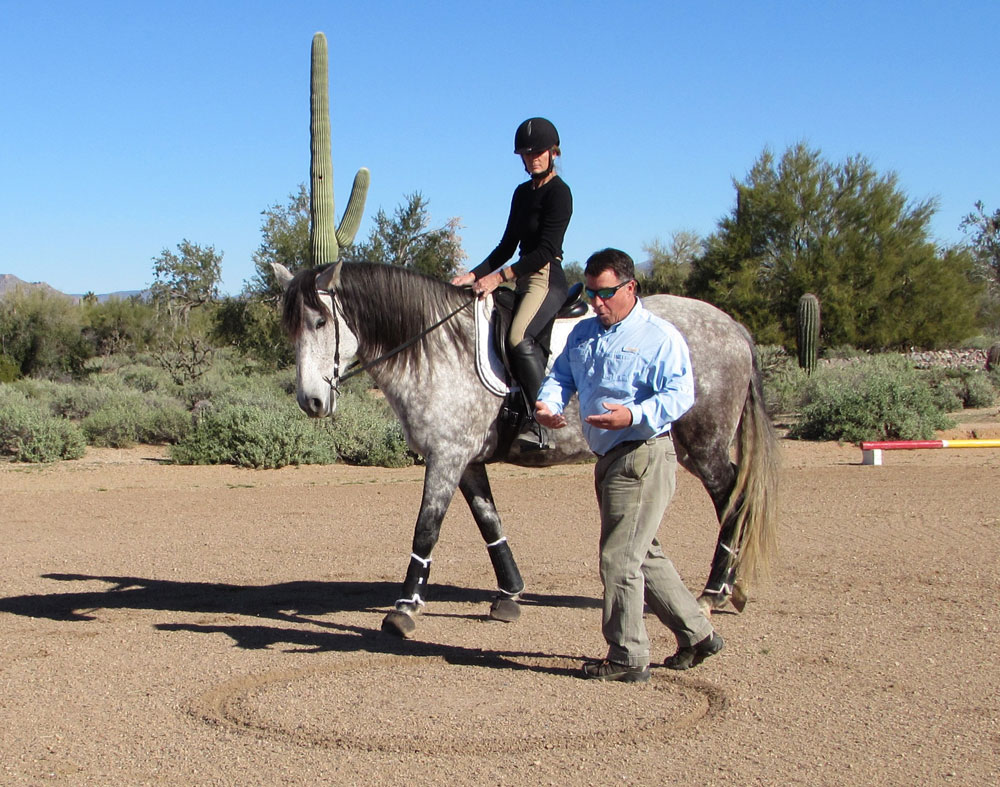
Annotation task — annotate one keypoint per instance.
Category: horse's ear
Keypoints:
(282, 274)
(329, 278)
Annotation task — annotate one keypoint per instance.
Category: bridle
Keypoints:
(356, 367)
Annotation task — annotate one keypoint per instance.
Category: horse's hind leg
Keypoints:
(475, 486)
(712, 465)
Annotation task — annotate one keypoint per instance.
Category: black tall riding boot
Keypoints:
(527, 361)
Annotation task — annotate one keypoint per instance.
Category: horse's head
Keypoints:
(324, 344)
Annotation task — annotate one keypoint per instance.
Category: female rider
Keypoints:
(540, 211)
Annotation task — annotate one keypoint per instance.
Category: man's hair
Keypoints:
(610, 260)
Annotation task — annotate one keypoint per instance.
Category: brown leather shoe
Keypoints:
(612, 670)
(692, 656)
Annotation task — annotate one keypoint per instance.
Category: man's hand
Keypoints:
(547, 418)
(616, 417)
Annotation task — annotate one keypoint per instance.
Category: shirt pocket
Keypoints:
(582, 358)
(621, 366)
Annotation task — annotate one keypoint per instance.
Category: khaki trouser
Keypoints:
(540, 296)
(634, 483)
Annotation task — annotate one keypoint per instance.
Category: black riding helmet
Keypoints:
(535, 134)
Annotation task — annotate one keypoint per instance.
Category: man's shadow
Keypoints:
(288, 603)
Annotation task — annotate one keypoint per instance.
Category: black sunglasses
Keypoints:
(605, 292)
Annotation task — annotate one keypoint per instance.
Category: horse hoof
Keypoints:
(739, 597)
(711, 602)
(505, 609)
(399, 624)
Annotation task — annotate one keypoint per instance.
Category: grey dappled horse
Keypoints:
(417, 341)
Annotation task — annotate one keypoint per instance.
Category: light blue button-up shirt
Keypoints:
(641, 362)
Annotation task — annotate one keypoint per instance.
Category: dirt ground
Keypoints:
(186, 625)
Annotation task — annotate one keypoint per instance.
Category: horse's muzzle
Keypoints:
(316, 406)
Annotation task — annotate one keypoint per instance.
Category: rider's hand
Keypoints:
(487, 284)
(464, 280)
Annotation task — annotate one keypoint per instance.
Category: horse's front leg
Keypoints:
(440, 481)
(475, 486)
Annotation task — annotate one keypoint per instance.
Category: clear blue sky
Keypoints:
(128, 126)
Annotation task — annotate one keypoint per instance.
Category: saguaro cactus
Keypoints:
(325, 238)
(807, 331)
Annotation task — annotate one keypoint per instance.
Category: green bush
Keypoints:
(9, 370)
(249, 435)
(148, 379)
(42, 333)
(956, 389)
(29, 433)
(367, 432)
(784, 381)
(110, 413)
(136, 418)
(981, 391)
(879, 399)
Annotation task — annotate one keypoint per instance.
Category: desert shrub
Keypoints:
(256, 423)
(110, 413)
(9, 370)
(981, 391)
(785, 390)
(30, 433)
(980, 342)
(844, 352)
(253, 327)
(251, 435)
(77, 401)
(947, 396)
(878, 399)
(772, 358)
(42, 333)
(132, 418)
(146, 378)
(958, 388)
(120, 325)
(41, 392)
(367, 432)
(783, 381)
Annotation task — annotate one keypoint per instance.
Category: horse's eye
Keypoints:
(320, 323)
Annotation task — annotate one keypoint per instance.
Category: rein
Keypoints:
(357, 368)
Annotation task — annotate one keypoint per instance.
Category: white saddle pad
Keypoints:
(488, 364)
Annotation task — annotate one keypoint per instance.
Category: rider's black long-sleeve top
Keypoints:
(538, 221)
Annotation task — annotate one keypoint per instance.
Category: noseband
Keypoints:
(357, 368)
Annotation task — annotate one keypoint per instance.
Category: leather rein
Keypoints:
(356, 367)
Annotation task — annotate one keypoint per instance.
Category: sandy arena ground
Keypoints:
(187, 625)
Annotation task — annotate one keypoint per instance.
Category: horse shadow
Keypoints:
(299, 602)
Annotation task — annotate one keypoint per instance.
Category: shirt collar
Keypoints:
(629, 318)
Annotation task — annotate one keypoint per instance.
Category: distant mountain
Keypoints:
(9, 282)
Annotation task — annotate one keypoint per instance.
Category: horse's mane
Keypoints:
(385, 306)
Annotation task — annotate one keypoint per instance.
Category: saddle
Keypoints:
(514, 413)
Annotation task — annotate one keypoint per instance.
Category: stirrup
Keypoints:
(533, 437)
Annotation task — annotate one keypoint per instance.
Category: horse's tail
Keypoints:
(754, 496)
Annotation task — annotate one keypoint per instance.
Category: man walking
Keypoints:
(632, 373)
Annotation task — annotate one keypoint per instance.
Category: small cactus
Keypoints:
(325, 238)
(807, 331)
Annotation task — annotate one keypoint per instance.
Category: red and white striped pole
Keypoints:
(871, 452)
